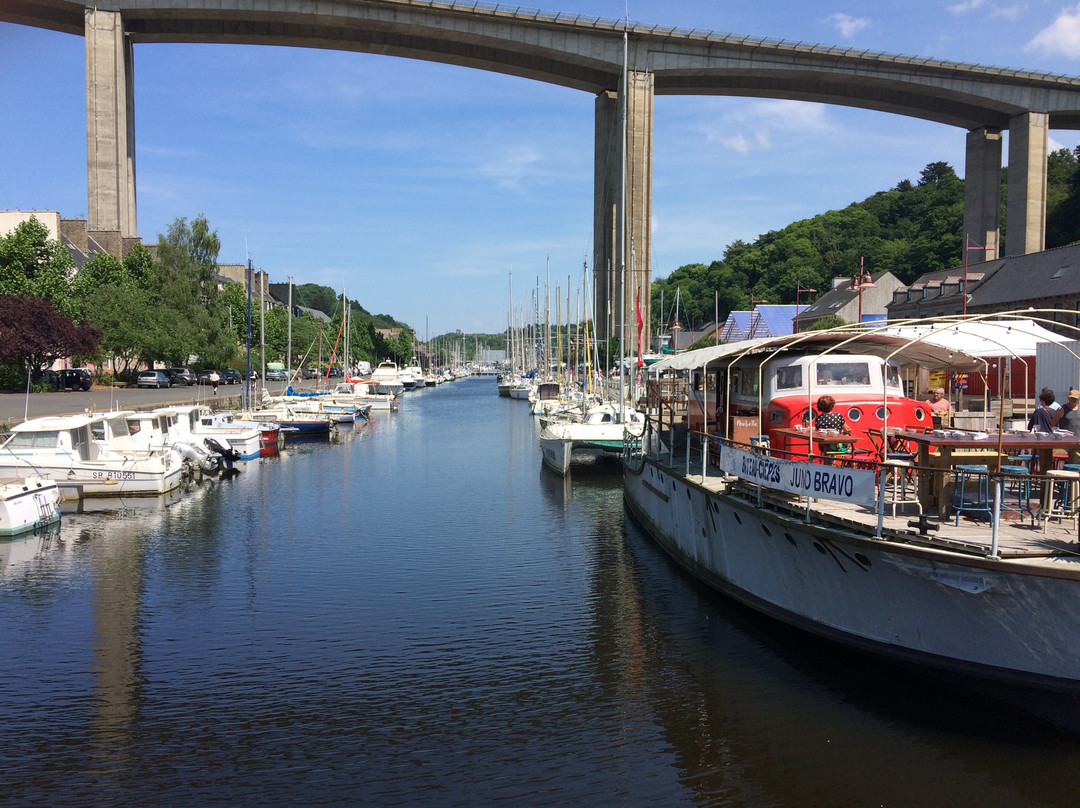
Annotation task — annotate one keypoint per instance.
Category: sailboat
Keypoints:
(601, 429)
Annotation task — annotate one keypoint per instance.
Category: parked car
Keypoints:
(153, 378)
(307, 373)
(335, 371)
(276, 375)
(204, 376)
(74, 379)
(181, 376)
(230, 376)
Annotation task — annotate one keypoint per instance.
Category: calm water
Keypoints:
(417, 615)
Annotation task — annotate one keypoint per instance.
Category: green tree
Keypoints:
(33, 265)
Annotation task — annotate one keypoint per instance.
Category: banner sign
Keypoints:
(858, 486)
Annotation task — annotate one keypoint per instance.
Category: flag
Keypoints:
(640, 325)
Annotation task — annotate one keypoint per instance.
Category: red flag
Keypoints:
(640, 325)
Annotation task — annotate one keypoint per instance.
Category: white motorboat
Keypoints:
(28, 503)
(90, 454)
(387, 375)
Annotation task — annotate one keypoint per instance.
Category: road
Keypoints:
(16, 407)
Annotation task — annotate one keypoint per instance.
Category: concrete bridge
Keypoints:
(587, 54)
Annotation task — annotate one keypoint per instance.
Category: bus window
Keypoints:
(789, 377)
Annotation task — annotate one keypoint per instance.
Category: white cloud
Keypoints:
(1010, 13)
(847, 25)
(1061, 37)
(965, 6)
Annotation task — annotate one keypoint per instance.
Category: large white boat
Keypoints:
(741, 489)
(90, 454)
(388, 375)
(27, 503)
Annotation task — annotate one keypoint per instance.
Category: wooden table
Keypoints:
(982, 451)
(823, 440)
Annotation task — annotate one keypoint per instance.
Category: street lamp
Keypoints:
(753, 302)
(798, 291)
(862, 280)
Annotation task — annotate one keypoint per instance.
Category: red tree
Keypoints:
(34, 334)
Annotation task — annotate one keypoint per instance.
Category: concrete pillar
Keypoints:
(609, 255)
(982, 193)
(1025, 209)
(110, 125)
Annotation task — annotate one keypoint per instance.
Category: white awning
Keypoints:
(983, 338)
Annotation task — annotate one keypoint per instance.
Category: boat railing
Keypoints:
(1003, 498)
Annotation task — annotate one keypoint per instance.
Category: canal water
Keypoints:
(417, 614)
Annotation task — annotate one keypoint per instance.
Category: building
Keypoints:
(736, 327)
(843, 301)
(1044, 280)
(774, 320)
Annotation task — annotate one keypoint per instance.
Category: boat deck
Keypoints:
(1017, 538)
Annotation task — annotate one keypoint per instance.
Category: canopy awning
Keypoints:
(982, 338)
(905, 349)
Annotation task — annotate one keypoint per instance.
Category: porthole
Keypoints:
(881, 413)
(862, 559)
(737, 517)
(854, 414)
(919, 414)
(819, 548)
(791, 539)
(765, 529)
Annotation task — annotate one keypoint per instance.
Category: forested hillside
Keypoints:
(911, 229)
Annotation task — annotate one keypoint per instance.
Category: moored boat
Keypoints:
(27, 503)
(90, 454)
(751, 503)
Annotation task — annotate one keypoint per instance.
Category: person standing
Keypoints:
(1042, 420)
(214, 380)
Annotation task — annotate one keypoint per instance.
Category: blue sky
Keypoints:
(419, 187)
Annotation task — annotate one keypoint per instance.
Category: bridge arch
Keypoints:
(587, 54)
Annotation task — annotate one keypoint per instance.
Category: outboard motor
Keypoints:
(229, 454)
(208, 462)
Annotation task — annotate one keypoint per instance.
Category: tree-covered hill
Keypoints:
(909, 230)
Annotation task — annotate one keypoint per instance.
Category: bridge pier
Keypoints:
(1025, 204)
(610, 251)
(982, 193)
(110, 130)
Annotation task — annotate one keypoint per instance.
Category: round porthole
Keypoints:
(881, 413)
(854, 414)
(919, 414)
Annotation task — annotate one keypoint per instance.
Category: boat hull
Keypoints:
(1000, 621)
(27, 504)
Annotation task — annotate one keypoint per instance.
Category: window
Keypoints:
(97, 430)
(843, 373)
(33, 440)
(789, 378)
(744, 382)
(892, 376)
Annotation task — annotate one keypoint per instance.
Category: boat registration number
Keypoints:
(114, 475)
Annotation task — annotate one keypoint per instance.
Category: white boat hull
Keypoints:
(27, 504)
(1007, 621)
(88, 478)
(561, 442)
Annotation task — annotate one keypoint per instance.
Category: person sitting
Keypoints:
(937, 401)
(1042, 420)
(827, 419)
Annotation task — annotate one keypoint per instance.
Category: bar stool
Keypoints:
(1023, 459)
(962, 477)
(900, 472)
(1061, 485)
(1019, 484)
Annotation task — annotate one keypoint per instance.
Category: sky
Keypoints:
(419, 188)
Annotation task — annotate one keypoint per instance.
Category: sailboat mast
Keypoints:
(288, 344)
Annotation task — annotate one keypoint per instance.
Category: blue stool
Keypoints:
(760, 443)
(966, 476)
(1019, 484)
(1025, 459)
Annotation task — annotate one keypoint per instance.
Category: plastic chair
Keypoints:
(963, 476)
